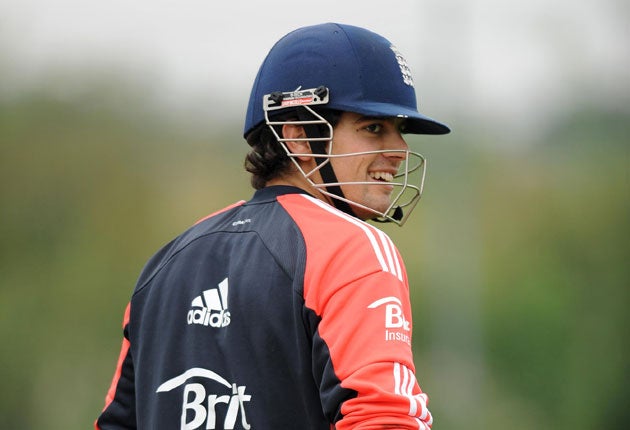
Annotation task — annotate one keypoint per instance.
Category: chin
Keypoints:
(366, 215)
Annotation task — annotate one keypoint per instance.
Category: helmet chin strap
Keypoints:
(397, 216)
(326, 171)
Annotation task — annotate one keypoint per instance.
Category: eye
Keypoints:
(374, 128)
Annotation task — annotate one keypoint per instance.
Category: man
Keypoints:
(288, 311)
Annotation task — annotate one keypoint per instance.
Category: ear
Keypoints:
(294, 131)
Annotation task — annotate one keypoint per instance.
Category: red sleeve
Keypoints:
(119, 410)
(356, 282)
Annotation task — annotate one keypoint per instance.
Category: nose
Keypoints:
(397, 144)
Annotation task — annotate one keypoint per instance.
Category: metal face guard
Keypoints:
(408, 182)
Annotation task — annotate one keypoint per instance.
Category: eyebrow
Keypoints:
(392, 119)
(373, 118)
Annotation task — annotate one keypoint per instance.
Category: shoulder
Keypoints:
(333, 237)
(169, 251)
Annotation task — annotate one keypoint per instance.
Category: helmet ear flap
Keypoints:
(314, 133)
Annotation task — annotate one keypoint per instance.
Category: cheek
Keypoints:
(351, 169)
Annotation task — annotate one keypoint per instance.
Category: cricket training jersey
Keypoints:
(277, 313)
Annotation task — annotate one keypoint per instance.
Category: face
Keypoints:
(357, 133)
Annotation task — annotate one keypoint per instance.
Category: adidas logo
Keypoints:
(210, 308)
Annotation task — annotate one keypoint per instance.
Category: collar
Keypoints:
(271, 193)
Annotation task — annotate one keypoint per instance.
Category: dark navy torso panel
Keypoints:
(225, 298)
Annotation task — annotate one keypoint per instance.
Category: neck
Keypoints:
(299, 181)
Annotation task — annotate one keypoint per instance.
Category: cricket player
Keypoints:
(289, 310)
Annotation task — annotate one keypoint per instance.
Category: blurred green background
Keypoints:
(518, 254)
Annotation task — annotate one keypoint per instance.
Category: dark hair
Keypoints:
(267, 159)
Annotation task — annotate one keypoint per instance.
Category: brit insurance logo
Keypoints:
(209, 401)
(397, 327)
(211, 307)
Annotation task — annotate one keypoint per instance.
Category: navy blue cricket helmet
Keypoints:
(362, 70)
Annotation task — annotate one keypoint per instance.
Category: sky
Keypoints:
(487, 60)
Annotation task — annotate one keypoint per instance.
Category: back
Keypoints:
(275, 313)
(215, 323)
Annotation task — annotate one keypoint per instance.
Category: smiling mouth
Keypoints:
(381, 176)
